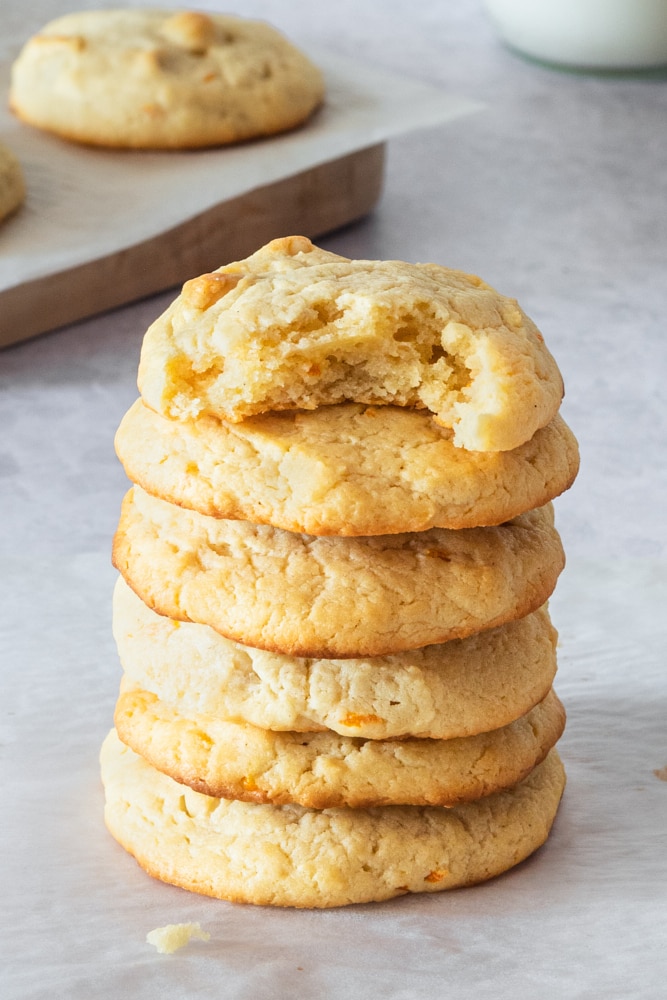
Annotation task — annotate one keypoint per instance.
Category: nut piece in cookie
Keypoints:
(297, 327)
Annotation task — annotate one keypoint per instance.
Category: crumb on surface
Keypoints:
(173, 936)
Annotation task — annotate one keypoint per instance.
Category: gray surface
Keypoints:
(554, 194)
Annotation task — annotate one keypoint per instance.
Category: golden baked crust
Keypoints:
(458, 688)
(12, 183)
(162, 79)
(342, 470)
(334, 597)
(292, 856)
(234, 760)
(294, 326)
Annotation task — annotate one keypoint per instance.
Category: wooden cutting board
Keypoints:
(311, 203)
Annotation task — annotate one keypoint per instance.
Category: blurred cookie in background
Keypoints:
(159, 79)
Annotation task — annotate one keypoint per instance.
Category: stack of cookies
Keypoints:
(334, 567)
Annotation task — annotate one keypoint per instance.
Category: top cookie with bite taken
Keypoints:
(297, 327)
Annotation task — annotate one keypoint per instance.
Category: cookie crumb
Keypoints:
(661, 773)
(174, 936)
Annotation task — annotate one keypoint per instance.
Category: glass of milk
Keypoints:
(585, 34)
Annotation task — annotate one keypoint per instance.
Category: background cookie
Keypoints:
(312, 596)
(341, 470)
(458, 688)
(324, 770)
(291, 856)
(12, 184)
(162, 79)
(294, 326)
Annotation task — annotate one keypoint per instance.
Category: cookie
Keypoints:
(293, 856)
(309, 595)
(161, 79)
(455, 689)
(294, 326)
(342, 470)
(12, 184)
(235, 760)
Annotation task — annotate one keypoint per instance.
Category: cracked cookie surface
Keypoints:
(342, 470)
(235, 760)
(458, 688)
(293, 856)
(335, 597)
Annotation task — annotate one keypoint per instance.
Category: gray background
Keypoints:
(556, 194)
